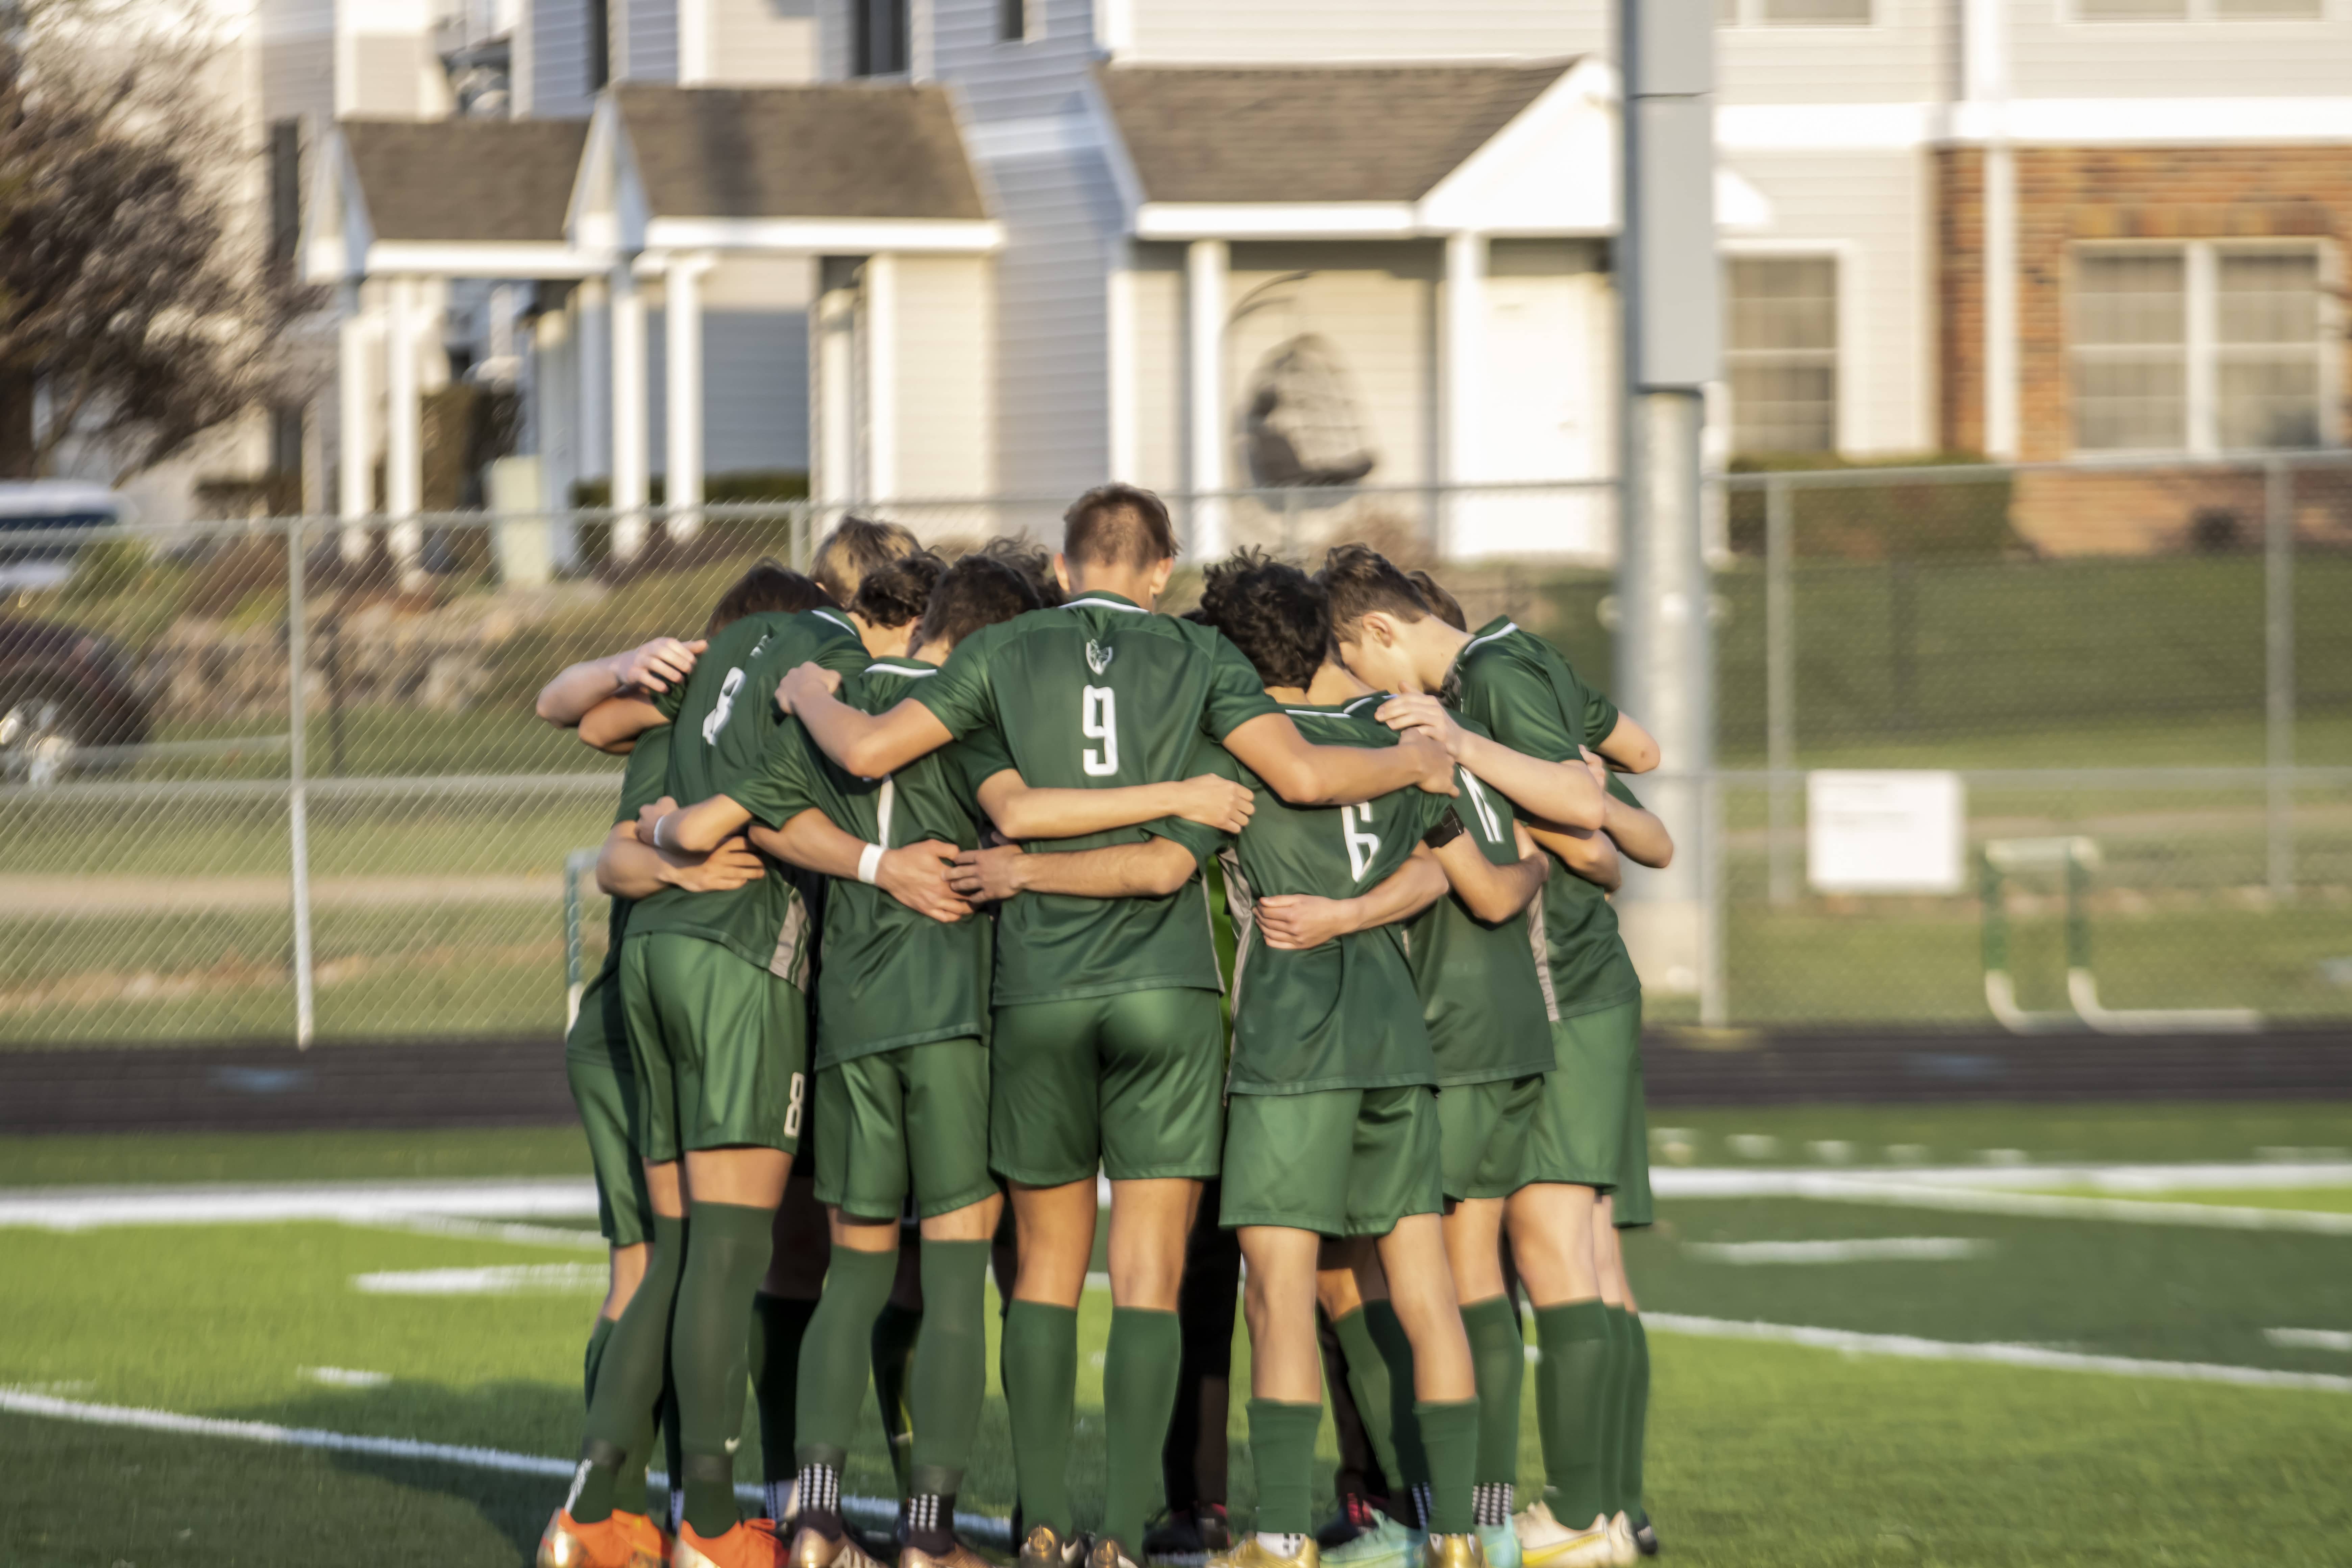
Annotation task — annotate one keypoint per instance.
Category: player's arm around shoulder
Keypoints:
(1562, 792)
(651, 668)
(1305, 773)
(1021, 811)
(1494, 893)
(1153, 868)
(1296, 922)
(629, 868)
(1636, 831)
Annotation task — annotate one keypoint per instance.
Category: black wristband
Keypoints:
(1445, 832)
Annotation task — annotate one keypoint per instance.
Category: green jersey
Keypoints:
(641, 784)
(1097, 694)
(1480, 992)
(886, 975)
(1344, 1015)
(1524, 692)
(723, 719)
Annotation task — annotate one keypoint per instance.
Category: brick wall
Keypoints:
(2067, 195)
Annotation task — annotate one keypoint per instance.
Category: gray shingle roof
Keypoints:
(1312, 134)
(837, 150)
(482, 180)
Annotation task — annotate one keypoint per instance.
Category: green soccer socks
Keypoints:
(709, 1352)
(628, 1379)
(950, 1367)
(833, 1362)
(1368, 1383)
(1281, 1451)
(779, 1327)
(1500, 1362)
(1041, 1396)
(1449, 1435)
(1637, 1416)
(1569, 1382)
(1412, 1474)
(598, 1337)
(893, 1350)
(1612, 1411)
(1139, 1367)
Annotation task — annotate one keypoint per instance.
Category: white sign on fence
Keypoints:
(1890, 832)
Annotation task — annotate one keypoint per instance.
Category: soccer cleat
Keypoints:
(1044, 1548)
(616, 1541)
(813, 1548)
(1624, 1551)
(1357, 1513)
(751, 1543)
(1384, 1544)
(1545, 1543)
(1645, 1538)
(1463, 1551)
(1105, 1553)
(1189, 1534)
(956, 1556)
(1501, 1544)
(1252, 1552)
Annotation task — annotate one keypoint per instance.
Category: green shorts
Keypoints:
(1129, 1082)
(604, 1087)
(1338, 1162)
(1483, 1132)
(1580, 1132)
(1632, 1207)
(720, 1047)
(914, 1116)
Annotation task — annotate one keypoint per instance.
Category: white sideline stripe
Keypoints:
(1736, 1180)
(1911, 1193)
(344, 1376)
(1872, 1249)
(510, 1279)
(1915, 1349)
(490, 1230)
(2310, 1339)
(22, 1401)
(79, 1209)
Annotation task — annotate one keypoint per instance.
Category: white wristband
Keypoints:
(657, 827)
(869, 860)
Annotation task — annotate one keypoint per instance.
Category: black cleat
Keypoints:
(1357, 1513)
(1198, 1531)
(1645, 1538)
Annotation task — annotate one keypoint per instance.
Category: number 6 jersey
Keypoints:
(1097, 694)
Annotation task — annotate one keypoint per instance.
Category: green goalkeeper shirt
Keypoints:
(1097, 694)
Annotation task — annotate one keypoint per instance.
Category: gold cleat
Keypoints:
(956, 1556)
(1252, 1552)
(1044, 1548)
(1464, 1551)
(813, 1548)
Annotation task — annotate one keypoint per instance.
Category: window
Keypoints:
(284, 193)
(1781, 353)
(2201, 347)
(1013, 20)
(1793, 12)
(879, 28)
(2196, 10)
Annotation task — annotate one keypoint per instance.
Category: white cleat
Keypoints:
(1545, 1543)
(1623, 1550)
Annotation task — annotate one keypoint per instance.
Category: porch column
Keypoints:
(1465, 377)
(355, 476)
(629, 415)
(881, 376)
(833, 386)
(594, 350)
(682, 344)
(404, 435)
(1206, 265)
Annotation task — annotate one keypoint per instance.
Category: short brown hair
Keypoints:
(1442, 604)
(896, 592)
(1361, 580)
(1033, 561)
(980, 590)
(1118, 525)
(770, 587)
(856, 546)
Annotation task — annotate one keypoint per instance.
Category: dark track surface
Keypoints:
(516, 1082)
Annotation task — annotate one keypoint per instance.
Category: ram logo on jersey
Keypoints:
(1098, 657)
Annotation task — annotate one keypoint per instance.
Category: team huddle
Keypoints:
(912, 896)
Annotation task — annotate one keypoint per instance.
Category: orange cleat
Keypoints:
(622, 1541)
(752, 1544)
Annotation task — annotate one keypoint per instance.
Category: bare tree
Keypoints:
(136, 313)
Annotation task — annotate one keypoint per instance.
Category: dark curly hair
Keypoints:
(896, 592)
(1273, 612)
(1361, 580)
(1031, 560)
(979, 590)
(770, 587)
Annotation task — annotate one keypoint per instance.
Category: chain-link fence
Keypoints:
(2154, 657)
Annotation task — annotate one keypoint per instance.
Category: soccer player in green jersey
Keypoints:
(1332, 1133)
(1108, 1035)
(1588, 1138)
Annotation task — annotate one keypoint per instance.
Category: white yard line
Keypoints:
(1913, 1348)
(1870, 1249)
(491, 1230)
(1733, 1181)
(23, 1401)
(510, 1279)
(2310, 1339)
(1906, 1191)
(81, 1209)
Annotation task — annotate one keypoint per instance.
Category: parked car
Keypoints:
(54, 510)
(67, 704)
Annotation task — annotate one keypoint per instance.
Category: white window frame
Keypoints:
(1750, 14)
(1846, 271)
(2201, 344)
(2195, 14)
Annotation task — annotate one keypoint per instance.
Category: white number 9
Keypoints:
(1098, 720)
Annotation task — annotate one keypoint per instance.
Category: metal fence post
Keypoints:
(297, 801)
(1714, 971)
(1779, 688)
(2278, 636)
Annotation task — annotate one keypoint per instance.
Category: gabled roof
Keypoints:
(833, 150)
(1311, 134)
(481, 181)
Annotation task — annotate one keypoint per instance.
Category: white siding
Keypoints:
(1872, 211)
(2053, 56)
(1904, 55)
(645, 40)
(834, 40)
(393, 74)
(1320, 31)
(1002, 80)
(754, 368)
(552, 49)
(756, 43)
(1157, 394)
(946, 341)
